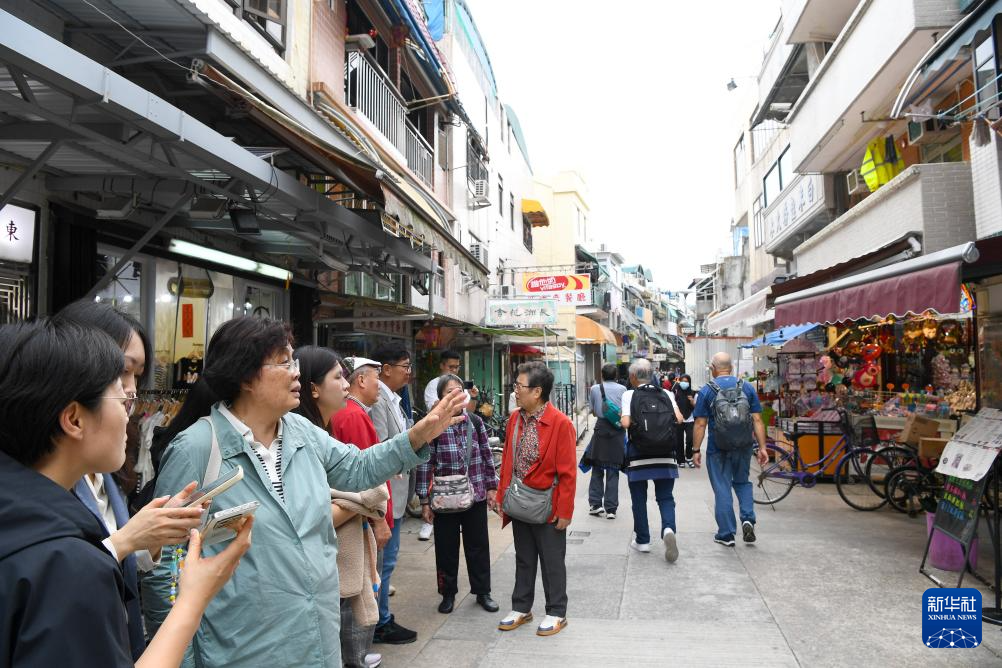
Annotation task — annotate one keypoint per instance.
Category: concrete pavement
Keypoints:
(824, 586)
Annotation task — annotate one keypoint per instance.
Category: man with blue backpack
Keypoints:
(731, 409)
(605, 453)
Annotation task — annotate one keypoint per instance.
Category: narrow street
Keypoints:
(823, 586)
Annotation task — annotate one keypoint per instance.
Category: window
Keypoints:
(758, 222)
(526, 234)
(511, 209)
(984, 75)
(500, 196)
(475, 168)
(951, 151)
(267, 16)
(778, 177)
(740, 161)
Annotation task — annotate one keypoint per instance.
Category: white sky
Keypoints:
(633, 95)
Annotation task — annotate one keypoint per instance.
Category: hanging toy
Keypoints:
(871, 352)
(825, 370)
(866, 377)
(930, 328)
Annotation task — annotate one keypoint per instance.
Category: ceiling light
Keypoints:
(235, 261)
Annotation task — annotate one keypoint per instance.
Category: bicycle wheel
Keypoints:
(884, 460)
(911, 490)
(769, 482)
(853, 484)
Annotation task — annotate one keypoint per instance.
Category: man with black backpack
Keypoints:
(650, 416)
(732, 411)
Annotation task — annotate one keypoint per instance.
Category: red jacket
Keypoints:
(557, 456)
(353, 425)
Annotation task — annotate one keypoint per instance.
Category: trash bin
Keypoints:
(945, 553)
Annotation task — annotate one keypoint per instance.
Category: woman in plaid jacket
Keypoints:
(448, 457)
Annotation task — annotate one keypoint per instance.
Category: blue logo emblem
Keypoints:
(951, 618)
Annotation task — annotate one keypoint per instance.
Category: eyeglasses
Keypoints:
(292, 365)
(128, 402)
(520, 386)
(406, 367)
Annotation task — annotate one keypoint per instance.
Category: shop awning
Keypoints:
(929, 282)
(534, 213)
(780, 337)
(494, 331)
(948, 56)
(524, 349)
(745, 313)
(589, 331)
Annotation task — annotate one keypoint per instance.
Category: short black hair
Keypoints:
(315, 362)
(449, 355)
(44, 367)
(609, 372)
(445, 380)
(391, 353)
(235, 355)
(539, 375)
(121, 327)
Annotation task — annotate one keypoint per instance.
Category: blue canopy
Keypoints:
(778, 337)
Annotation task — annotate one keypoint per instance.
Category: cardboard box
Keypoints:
(932, 448)
(918, 427)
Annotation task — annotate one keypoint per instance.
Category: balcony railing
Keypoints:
(368, 90)
(420, 157)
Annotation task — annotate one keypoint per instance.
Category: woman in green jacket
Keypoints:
(282, 606)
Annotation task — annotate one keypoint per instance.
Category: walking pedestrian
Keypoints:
(540, 455)
(606, 453)
(324, 394)
(461, 451)
(283, 606)
(650, 416)
(685, 398)
(731, 411)
(389, 419)
(63, 415)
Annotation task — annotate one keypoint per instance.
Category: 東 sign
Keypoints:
(565, 288)
(17, 234)
(521, 312)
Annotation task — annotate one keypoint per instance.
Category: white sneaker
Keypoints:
(373, 660)
(426, 531)
(551, 625)
(640, 547)
(671, 546)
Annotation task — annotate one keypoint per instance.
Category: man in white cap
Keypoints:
(352, 424)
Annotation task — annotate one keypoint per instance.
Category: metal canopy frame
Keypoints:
(74, 117)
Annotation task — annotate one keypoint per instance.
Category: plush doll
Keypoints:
(825, 370)
(866, 377)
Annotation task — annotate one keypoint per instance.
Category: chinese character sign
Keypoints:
(521, 312)
(567, 288)
(17, 236)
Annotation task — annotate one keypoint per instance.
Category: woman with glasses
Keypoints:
(282, 607)
(135, 542)
(60, 587)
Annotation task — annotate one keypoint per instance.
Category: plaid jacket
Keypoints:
(447, 455)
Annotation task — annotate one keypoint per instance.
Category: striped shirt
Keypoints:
(269, 458)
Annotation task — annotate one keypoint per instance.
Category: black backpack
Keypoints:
(732, 421)
(652, 422)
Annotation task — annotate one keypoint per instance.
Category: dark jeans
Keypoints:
(603, 490)
(684, 442)
(539, 544)
(666, 503)
(355, 640)
(472, 524)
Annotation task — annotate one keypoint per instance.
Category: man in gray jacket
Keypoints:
(389, 419)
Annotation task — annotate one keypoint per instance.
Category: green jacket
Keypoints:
(282, 606)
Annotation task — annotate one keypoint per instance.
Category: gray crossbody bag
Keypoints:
(524, 503)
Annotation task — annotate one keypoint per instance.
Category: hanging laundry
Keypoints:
(881, 163)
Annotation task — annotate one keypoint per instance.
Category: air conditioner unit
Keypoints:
(481, 194)
(507, 291)
(855, 184)
(932, 131)
(479, 251)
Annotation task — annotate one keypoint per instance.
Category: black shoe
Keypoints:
(392, 633)
(748, 529)
(448, 601)
(487, 603)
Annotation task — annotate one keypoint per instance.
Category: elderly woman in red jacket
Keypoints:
(544, 457)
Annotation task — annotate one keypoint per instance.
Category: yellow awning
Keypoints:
(534, 212)
(589, 331)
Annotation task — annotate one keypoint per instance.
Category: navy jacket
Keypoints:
(116, 499)
(61, 592)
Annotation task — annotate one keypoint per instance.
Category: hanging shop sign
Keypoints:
(521, 312)
(380, 325)
(803, 200)
(17, 234)
(658, 357)
(565, 288)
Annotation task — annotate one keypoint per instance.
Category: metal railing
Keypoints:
(367, 89)
(420, 157)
